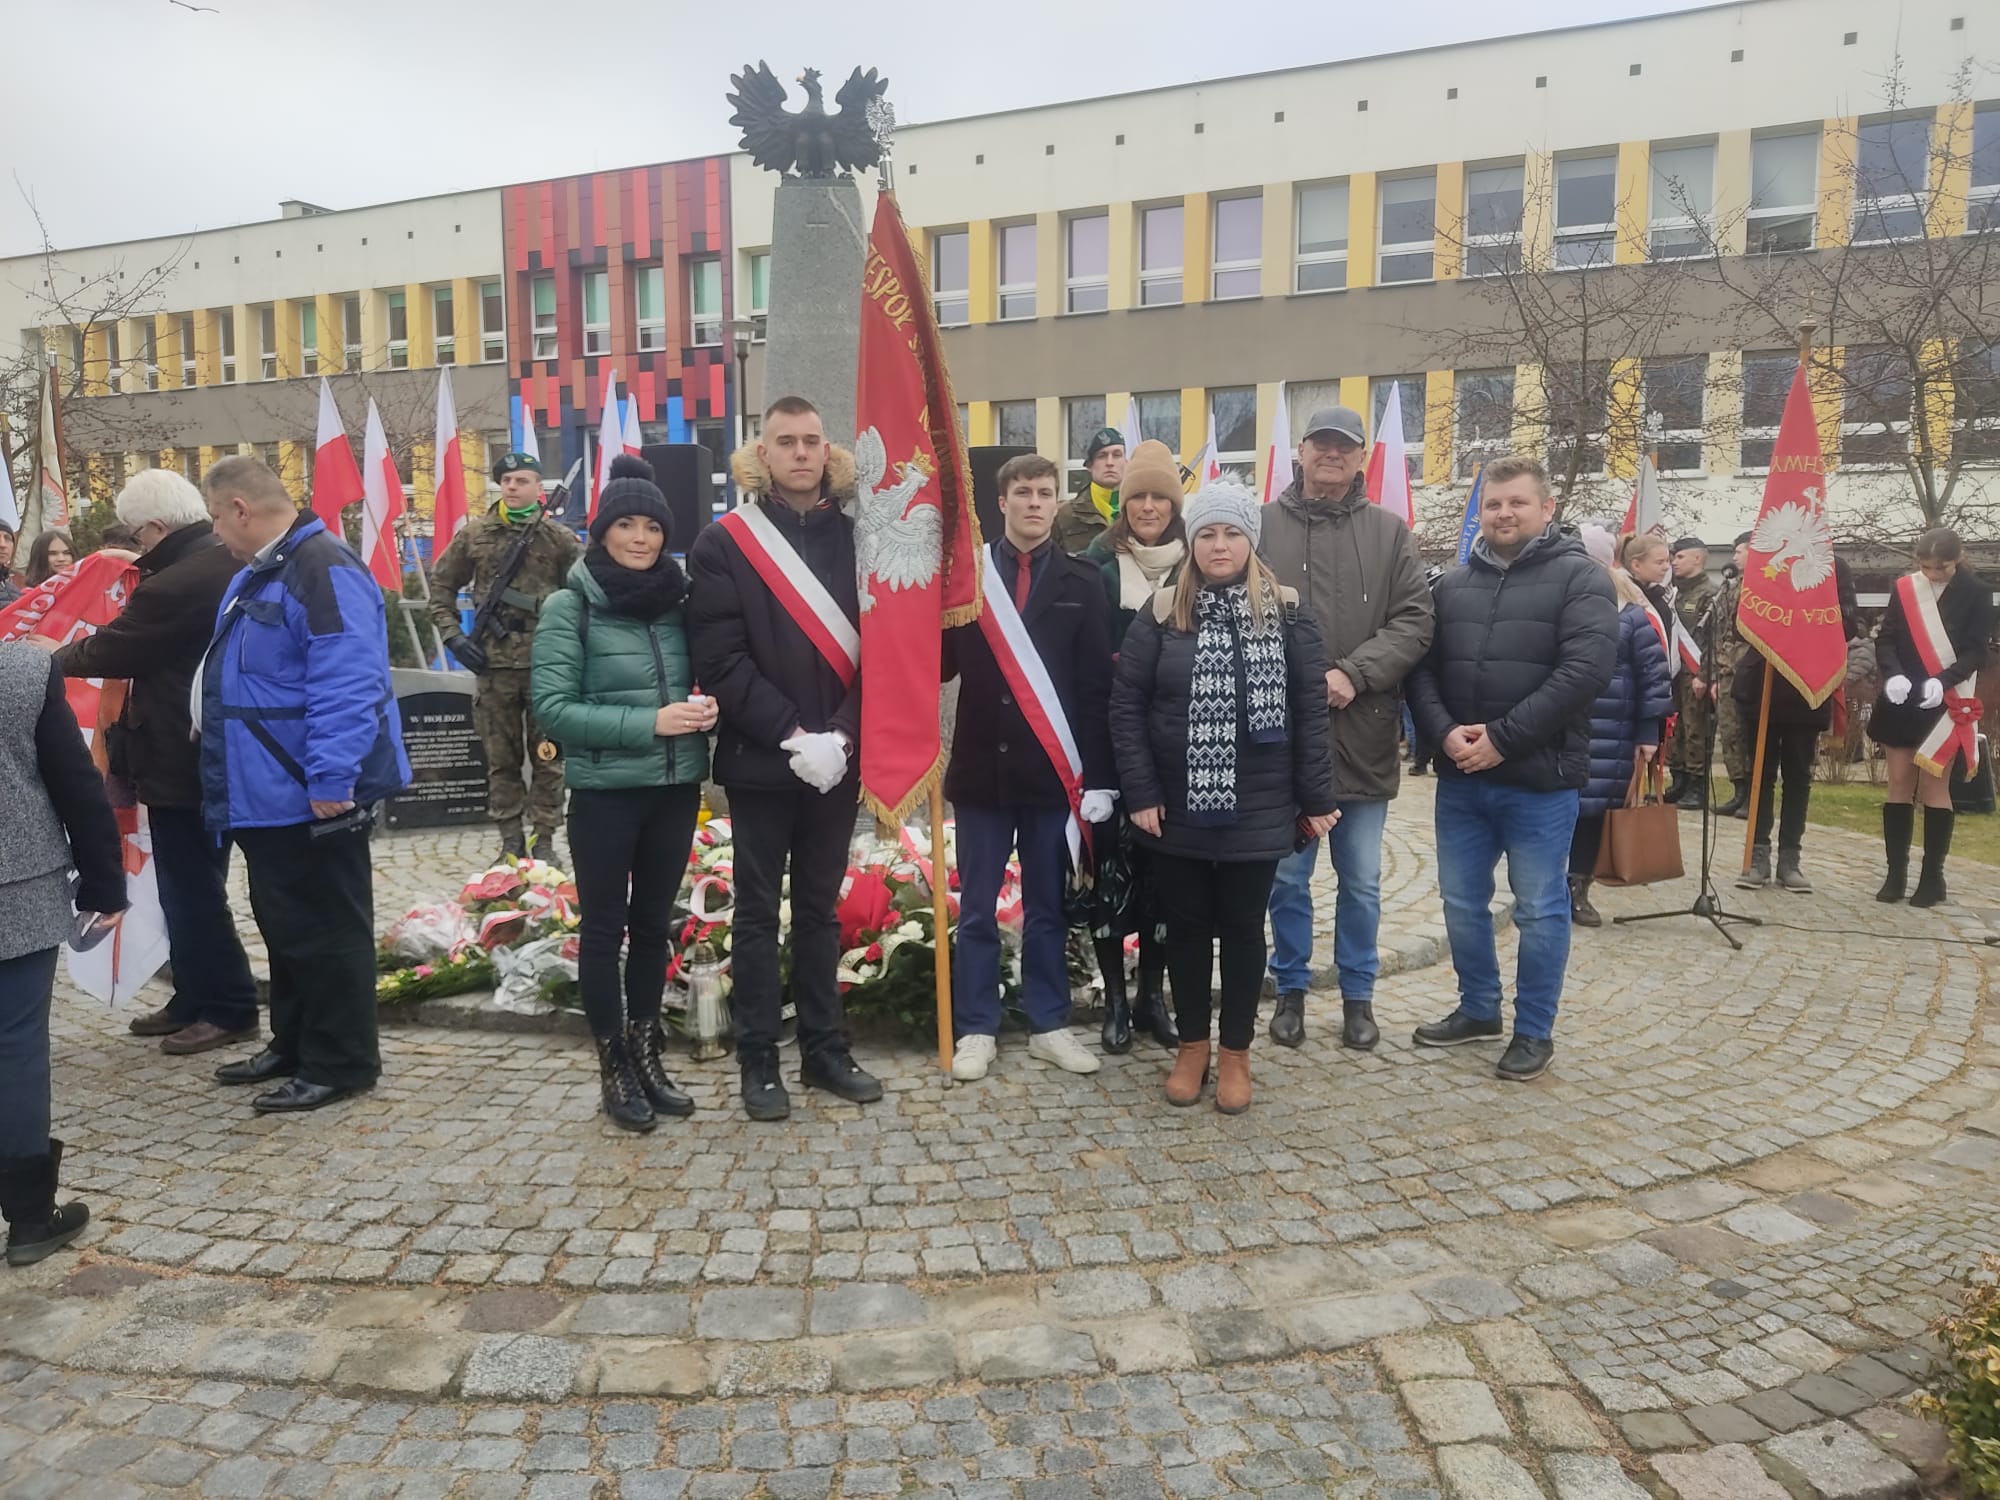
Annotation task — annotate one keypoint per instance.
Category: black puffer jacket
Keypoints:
(1275, 783)
(1525, 650)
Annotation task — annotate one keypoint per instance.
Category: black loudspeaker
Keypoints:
(684, 473)
(986, 464)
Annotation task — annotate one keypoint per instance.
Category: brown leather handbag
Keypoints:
(1642, 840)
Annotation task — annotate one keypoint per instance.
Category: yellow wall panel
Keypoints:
(1836, 181)
(96, 365)
(332, 336)
(1268, 396)
(422, 326)
(374, 329)
(285, 325)
(1823, 380)
(1361, 230)
(1123, 260)
(1538, 210)
(1049, 268)
(467, 346)
(1194, 421)
(1529, 393)
(1950, 169)
(1280, 231)
(292, 467)
(1732, 189)
(244, 330)
(1354, 396)
(207, 350)
(979, 270)
(979, 424)
(1621, 459)
(1631, 207)
(1450, 215)
(1439, 389)
(1195, 251)
(1049, 427)
(167, 349)
(1724, 411)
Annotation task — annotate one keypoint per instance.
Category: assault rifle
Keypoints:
(503, 579)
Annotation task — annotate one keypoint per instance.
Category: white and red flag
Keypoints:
(1388, 469)
(448, 465)
(633, 441)
(381, 504)
(49, 490)
(610, 440)
(1278, 457)
(336, 482)
(1642, 512)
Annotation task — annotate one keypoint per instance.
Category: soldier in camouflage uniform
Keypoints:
(1694, 592)
(1732, 740)
(502, 710)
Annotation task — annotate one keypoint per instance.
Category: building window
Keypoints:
(1319, 261)
(149, 352)
(1676, 412)
(267, 342)
(1083, 417)
(652, 306)
(1411, 389)
(267, 455)
(1586, 212)
(1485, 401)
(950, 278)
(114, 363)
(1975, 396)
(705, 301)
(543, 294)
(1162, 249)
(399, 331)
(1892, 166)
(1875, 407)
(191, 464)
(1014, 424)
(1160, 417)
(1493, 198)
(1579, 404)
(549, 443)
(1087, 272)
(444, 337)
(1982, 198)
(596, 312)
(1408, 230)
(1682, 201)
(308, 338)
(1233, 409)
(492, 322)
(350, 335)
(1017, 271)
(189, 375)
(1767, 381)
(760, 295)
(1239, 248)
(1784, 193)
(225, 340)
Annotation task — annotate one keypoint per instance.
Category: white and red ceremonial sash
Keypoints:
(803, 596)
(1690, 653)
(1660, 629)
(1021, 664)
(1957, 729)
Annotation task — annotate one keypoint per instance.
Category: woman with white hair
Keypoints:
(157, 642)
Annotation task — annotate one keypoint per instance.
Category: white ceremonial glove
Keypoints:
(819, 760)
(1933, 693)
(1897, 690)
(1097, 806)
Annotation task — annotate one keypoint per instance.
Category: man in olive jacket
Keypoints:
(1355, 567)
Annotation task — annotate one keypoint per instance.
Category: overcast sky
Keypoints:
(129, 118)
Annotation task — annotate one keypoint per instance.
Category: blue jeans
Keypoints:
(986, 836)
(211, 974)
(1478, 820)
(1356, 843)
(25, 986)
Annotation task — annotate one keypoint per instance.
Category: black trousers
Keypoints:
(314, 901)
(211, 974)
(812, 831)
(1583, 844)
(1202, 900)
(1789, 746)
(628, 849)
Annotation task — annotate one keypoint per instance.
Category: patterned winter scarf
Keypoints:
(1239, 682)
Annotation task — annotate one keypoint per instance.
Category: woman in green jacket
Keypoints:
(614, 688)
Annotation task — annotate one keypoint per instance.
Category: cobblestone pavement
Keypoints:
(1695, 1260)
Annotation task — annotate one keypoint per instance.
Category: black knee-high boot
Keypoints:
(1937, 844)
(1117, 1033)
(1150, 1012)
(1899, 822)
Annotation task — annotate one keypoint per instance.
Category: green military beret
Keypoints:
(507, 463)
(1104, 437)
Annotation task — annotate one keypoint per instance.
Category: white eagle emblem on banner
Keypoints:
(1798, 536)
(895, 545)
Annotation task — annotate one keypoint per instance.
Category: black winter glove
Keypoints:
(470, 656)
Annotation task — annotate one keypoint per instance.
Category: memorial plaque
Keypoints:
(447, 764)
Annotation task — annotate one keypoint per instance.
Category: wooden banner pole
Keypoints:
(941, 925)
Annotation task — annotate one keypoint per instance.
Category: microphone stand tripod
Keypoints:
(1707, 902)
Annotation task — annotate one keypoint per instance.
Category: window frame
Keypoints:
(1677, 222)
(1218, 267)
(190, 371)
(1878, 428)
(1469, 452)
(1483, 242)
(1168, 401)
(1410, 250)
(596, 332)
(1968, 421)
(1781, 363)
(1683, 436)
(1302, 259)
(444, 346)
(1020, 294)
(1597, 436)
(1911, 201)
(114, 354)
(1982, 199)
(308, 312)
(1763, 223)
(1239, 464)
(649, 333)
(149, 353)
(944, 298)
(492, 336)
(399, 348)
(544, 341)
(758, 294)
(1162, 276)
(1073, 463)
(1001, 411)
(267, 340)
(350, 323)
(1602, 236)
(225, 343)
(705, 330)
(1097, 283)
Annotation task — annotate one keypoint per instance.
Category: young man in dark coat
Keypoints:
(1527, 634)
(1003, 784)
(786, 751)
(156, 642)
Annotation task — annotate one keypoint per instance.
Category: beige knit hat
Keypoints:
(1151, 470)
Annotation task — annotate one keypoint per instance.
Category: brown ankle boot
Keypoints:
(1189, 1074)
(1232, 1081)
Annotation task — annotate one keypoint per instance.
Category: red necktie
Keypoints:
(1024, 580)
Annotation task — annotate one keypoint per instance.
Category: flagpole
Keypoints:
(941, 924)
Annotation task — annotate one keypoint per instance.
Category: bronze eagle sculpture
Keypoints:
(810, 143)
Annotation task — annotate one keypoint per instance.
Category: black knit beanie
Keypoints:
(630, 491)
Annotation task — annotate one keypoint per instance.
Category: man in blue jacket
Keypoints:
(299, 739)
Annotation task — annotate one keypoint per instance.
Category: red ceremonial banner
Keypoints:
(916, 537)
(1789, 607)
(68, 607)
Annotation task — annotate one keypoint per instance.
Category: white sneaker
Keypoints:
(1064, 1050)
(972, 1057)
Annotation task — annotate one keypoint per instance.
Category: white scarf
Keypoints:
(1142, 569)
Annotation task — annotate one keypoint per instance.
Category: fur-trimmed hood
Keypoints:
(754, 478)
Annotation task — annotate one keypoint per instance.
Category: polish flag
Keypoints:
(633, 441)
(336, 482)
(381, 503)
(530, 444)
(1388, 474)
(610, 441)
(1278, 457)
(1130, 427)
(1642, 513)
(10, 508)
(448, 471)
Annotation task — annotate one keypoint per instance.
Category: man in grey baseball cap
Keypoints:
(1356, 568)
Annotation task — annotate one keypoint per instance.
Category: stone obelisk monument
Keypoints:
(819, 242)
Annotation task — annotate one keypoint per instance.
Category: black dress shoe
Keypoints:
(1288, 1021)
(1457, 1029)
(1358, 1029)
(1526, 1057)
(295, 1095)
(833, 1069)
(261, 1067)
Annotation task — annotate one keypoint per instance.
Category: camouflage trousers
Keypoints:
(1684, 756)
(1733, 734)
(504, 716)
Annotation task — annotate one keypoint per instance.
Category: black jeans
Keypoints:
(813, 831)
(1790, 746)
(629, 849)
(1201, 900)
(314, 901)
(1583, 844)
(211, 974)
